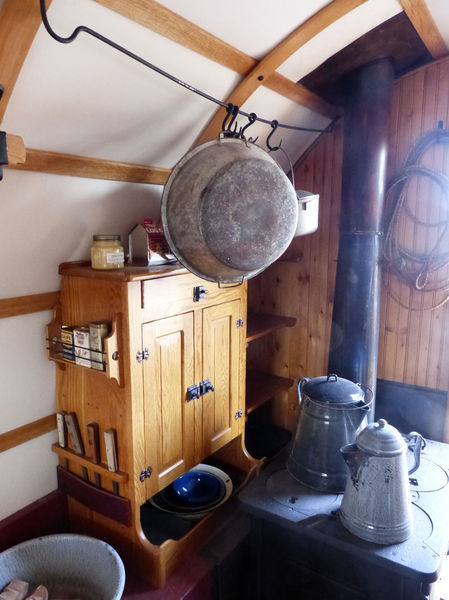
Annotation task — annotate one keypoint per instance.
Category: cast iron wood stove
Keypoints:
(301, 550)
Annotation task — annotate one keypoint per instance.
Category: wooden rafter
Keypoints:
(19, 22)
(95, 168)
(15, 149)
(23, 434)
(157, 17)
(423, 22)
(267, 66)
(24, 305)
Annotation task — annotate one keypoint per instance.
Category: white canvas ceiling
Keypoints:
(86, 98)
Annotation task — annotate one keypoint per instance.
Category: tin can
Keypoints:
(98, 330)
(68, 350)
(82, 347)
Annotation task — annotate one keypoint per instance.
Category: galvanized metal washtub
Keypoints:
(228, 210)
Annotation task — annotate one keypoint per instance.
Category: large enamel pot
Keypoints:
(333, 411)
(228, 210)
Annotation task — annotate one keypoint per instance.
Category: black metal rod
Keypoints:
(82, 28)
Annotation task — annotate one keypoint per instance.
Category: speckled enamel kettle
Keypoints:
(333, 411)
(377, 505)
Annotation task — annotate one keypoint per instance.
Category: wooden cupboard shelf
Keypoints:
(99, 468)
(110, 352)
(263, 324)
(260, 387)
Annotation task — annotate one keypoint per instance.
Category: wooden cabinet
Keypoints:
(197, 346)
(173, 391)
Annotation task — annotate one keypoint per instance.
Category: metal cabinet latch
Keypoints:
(142, 355)
(145, 474)
(239, 322)
(193, 392)
(238, 414)
(199, 389)
(199, 292)
(206, 386)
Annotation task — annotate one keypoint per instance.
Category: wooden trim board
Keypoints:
(19, 22)
(23, 305)
(23, 434)
(427, 29)
(58, 163)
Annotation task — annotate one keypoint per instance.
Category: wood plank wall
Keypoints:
(301, 284)
(413, 344)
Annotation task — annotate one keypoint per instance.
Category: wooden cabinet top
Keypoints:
(128, 273)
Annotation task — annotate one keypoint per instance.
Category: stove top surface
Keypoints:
(276, 496)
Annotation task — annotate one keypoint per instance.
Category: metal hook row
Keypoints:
(232, 110)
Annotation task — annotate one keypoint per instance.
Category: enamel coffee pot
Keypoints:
(377, 504)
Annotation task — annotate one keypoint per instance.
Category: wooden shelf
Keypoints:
(260, 387)
(100, 468)
(110, 353)
(263, 324)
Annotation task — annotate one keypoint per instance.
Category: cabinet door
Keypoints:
(221, 361)
(169, 418)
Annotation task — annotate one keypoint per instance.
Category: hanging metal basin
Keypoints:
(228, 210)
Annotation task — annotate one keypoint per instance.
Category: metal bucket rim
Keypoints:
(367, 405)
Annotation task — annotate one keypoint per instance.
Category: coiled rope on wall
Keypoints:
(424, 271)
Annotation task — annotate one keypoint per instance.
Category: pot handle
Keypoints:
(231, 285)
(300, 386)
(419, 443)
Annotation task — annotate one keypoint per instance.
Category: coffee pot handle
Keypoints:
(301, 383)
(419, 443)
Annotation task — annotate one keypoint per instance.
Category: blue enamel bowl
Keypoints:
(196, 489)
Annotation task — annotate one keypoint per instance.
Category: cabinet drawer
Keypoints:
(173, 295)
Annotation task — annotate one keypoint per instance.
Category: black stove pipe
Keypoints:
(355, 319)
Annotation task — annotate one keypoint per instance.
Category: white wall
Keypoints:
(46, 219)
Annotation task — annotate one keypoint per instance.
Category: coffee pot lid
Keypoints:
(381, 439)
(331, 389)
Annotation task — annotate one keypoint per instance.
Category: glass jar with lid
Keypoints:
(107, 252)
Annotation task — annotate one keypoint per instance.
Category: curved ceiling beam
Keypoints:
(423, 22)
(266, 67)
(19, 22)
(173, 26)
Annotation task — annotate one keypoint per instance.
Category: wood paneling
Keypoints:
(301, 283)
(95, 168)
(413, 344)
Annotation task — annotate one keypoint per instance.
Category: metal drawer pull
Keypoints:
(199, 292)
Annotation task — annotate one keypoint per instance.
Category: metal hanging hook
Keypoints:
(274, 125)
(252, 117)
(232, 110)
